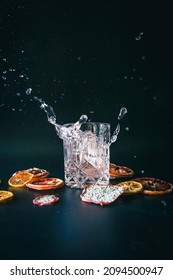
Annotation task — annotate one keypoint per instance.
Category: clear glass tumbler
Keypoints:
(87, 155)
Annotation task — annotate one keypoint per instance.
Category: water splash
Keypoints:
(114, 136)
(61, 130)
(122, 112)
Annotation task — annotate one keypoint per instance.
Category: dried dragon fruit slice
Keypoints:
(45, 200)
(101, 194)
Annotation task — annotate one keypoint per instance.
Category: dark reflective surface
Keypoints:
(86, 59)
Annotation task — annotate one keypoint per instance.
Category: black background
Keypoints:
(86, 57)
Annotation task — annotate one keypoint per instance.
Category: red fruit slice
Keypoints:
(46, 184)
(45, 200)
(101, 194)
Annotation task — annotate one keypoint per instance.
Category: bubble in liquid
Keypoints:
(142, 171)
(18, 94)
(127, 128)
(28, 91)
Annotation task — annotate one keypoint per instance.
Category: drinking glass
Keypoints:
(87, 154)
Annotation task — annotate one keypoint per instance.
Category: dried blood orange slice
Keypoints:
(5, 195)
(38, 173)
(101, 194)
(46, 184)
(154, 186)
(20, 179)
(45, 200)
(117, 171)
(131, 187)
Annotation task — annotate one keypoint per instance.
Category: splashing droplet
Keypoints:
(139, 36)
(122, 112)
(28, 91)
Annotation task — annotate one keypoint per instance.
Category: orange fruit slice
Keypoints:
(20, 179)
(5, 195)
(131, 187)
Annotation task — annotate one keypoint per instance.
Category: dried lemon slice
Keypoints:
(5, 195)
(131, 187)
(20, 179)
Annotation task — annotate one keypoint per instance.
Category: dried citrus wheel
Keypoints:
(20, 179)
(5, 195)
(45, 184)
(131, 187)
(117, 171)
(38, 173)
(154, 186)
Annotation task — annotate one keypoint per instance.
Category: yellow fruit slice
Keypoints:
(5, 195)
(20, 179)
(131, 187)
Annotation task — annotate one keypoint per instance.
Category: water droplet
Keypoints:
(143, 57)
(4, 78)
(164, 203)
(122, 112)
(134, 156)
(142, 171)
(139, 36)
(28, 91)
(78, 58)
(4, 72)
(21, 76)
(18, 94)
(127, 128)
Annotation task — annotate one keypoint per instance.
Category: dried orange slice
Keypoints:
(154, 186)
(117, 171)
(20, 179)
(5, 195)
(131, 187)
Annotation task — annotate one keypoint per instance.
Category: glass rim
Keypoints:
(103, 123)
